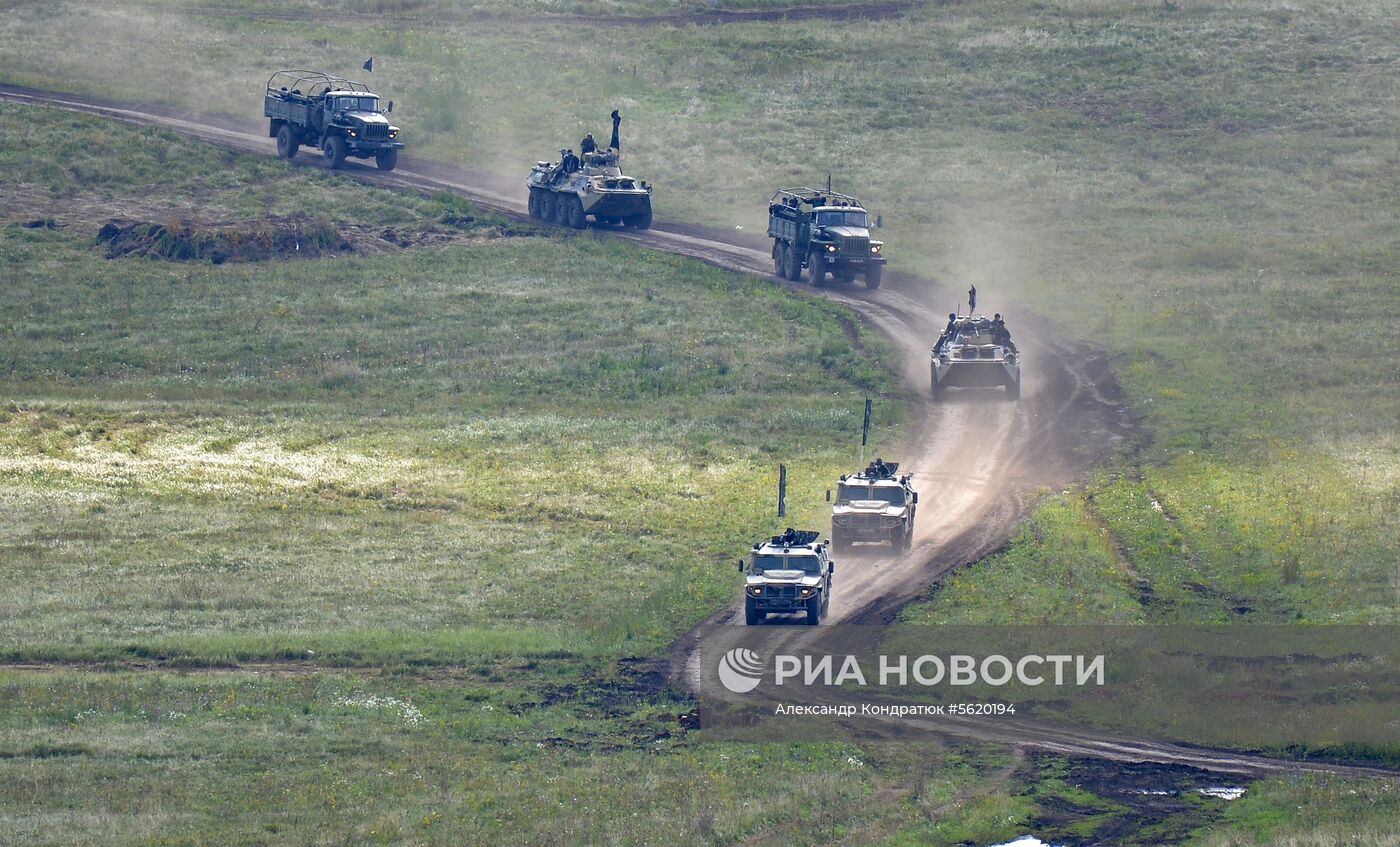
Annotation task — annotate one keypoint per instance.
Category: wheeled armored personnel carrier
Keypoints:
(788, 573)
(825, 232)
(876, 505)
(338, 116)
(591, 184)
(975, 352)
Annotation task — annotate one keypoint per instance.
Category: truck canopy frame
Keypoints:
(303, 83)
(813, 197)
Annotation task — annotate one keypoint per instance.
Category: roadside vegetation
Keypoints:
(1199, 188)
(1205, 190)
(525, 432)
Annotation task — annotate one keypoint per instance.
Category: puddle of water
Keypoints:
(1223, 792)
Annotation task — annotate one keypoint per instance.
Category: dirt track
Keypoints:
(977, 459)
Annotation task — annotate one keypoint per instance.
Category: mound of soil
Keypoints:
(243, 241)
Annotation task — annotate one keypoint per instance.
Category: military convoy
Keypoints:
(591, 184)
(338, 116)
(975, 352)
(826, 232)
(876, 505)
(791, 572)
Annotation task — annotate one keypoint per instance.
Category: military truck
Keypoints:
(876, 505)
(592, 184)
(975, 352)
(791, 572)
(825, 232)
(338, 116)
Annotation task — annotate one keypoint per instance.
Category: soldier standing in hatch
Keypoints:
(587, 145)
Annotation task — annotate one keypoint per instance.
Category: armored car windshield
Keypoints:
(891, 494)
(771, 562)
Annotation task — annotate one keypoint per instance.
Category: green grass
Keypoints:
(506, 432)
(1203, 189)
(247, 759)
(1199, 188)
(1309, 810)
(497, 468)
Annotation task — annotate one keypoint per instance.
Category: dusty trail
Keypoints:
(977, 459)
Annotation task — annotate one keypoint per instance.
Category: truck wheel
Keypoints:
(286, 143)
(938, 389)
(386, 159)
(779, 260)
(639, 221)
(906, 539)
(533, 204)
(814, 610)
(794, 260)
(752, 615)
(546, 206)
(816, 270)
(333, 151)
(1013, 390)
(872, 276)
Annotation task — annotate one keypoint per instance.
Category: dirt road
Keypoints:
(977, 459)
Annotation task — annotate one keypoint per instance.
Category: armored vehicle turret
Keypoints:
(590, 184)
(825, 232)
(876, 505)
(975, 352)
(338, 116)
(791, 572)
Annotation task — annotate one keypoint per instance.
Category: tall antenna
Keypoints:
(865, 432)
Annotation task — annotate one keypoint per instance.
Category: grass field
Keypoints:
(329, 473)
(1207, 190)
(441, 457)
(1204, 189)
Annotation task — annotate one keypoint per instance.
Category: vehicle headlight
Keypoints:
(756, 590)
(890, 522)
(806, 591)
(352, 133)
(393, 133)
(831, 248)
(875, 248)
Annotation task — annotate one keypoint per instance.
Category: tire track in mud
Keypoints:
(978, 460)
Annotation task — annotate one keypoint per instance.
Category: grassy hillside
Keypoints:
(1207, 190)
(379, 548)
(505, 431)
